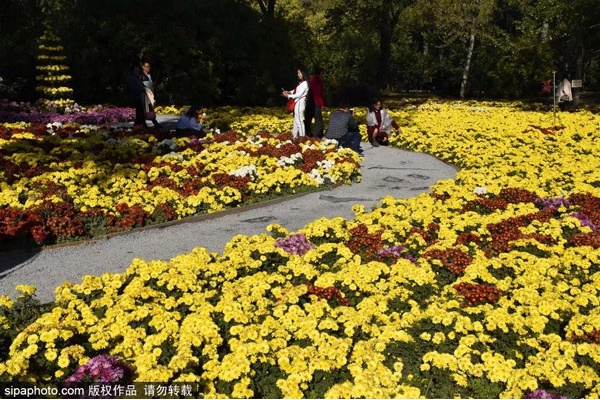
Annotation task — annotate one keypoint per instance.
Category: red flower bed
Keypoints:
(477, 293)
(454, 260)
(365, 243)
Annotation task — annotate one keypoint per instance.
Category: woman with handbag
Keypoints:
(149, 99)
(299, 95)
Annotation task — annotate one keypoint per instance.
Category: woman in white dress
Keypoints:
(299, 95)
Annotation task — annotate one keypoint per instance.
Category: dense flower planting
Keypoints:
(486, 287)
(66, 181)
(47, 113)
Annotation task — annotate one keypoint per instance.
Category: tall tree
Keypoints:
(368, 23)
(457, 24)
(21, 23)
(390, 12)
(576, 34)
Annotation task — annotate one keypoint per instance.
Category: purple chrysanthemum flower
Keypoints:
(295, 244)
(584, 220)
(552, 203)
(410, 258)
(394, 251)
(99, 116)
(103, 368)
(542, 394)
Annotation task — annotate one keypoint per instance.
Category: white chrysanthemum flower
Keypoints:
(316, 175)
(480, 190)
(168, 143)
(246, 170)
(326, 164)
(283, 161)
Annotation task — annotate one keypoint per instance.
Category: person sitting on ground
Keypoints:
(191, 122)
(379, 124)
(343, 128)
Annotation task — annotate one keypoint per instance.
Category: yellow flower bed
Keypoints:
(81, 181)
(486, 287)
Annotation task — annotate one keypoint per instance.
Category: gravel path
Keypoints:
(385, 171)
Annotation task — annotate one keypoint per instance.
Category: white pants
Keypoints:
(299, 129)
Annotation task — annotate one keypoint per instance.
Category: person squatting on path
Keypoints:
(299, 95)
(344, 128)
(379, 124)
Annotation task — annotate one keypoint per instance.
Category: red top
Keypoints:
(316, 85)
(378, 117)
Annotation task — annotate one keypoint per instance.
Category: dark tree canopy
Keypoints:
(242, 51)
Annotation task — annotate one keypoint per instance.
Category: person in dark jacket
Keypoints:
(137, 94)
(191, 122)
(150, 99)
(344, 128)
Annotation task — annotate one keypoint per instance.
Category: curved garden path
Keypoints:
(385, 171)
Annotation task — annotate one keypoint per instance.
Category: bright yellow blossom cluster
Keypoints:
(52, 83)
(486, 287)
(98, 171)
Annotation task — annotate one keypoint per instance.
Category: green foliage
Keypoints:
(200, 51)
(242, 52)
(18, 48)
(265, 383)
(483, 388)
(324, 380)
(532, 249)
(25, 309)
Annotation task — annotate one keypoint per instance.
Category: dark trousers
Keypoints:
(315, 113)
(190, 132)
(140, 114)
(318, 121)
(351, 140)
(154, 121)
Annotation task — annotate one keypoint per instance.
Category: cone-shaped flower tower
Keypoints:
(52, 73)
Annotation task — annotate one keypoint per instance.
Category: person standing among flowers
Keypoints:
(316, 88)
(299, 95)
(379, 124)
(150, 99)
(137, 94)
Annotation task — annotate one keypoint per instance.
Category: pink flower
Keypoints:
(103, 368)
(295, 244)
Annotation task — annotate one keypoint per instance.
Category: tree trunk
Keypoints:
(465, 77)
(578, 74)
(385, 55)
(387, 24)
(267, 8)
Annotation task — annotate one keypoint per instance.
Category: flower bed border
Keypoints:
(192, 218)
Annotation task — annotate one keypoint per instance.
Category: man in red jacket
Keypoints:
(316, 89)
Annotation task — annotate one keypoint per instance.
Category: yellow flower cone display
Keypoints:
(53, 78)
(486, 287)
